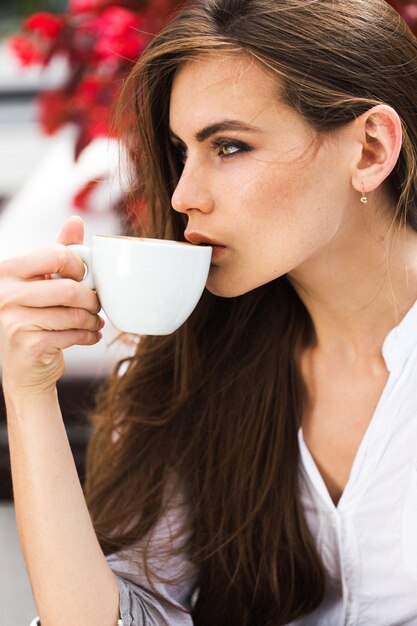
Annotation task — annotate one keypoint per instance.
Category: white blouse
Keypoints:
(368, 542)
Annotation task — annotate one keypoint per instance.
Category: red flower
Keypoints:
(45, 25)
(81, 200)
(87, 92)
(128, 47)
(100, 39)
(26, 51)
(92, 126)
(91, 106)
(118, 34)
(86, 6)
(116, 21)
(54, 110)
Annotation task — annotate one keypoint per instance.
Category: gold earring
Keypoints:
(364, 198)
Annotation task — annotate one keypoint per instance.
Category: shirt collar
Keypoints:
(401, 340)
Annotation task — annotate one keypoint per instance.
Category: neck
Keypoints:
(359, 288)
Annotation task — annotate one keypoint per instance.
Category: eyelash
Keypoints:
(219, 144)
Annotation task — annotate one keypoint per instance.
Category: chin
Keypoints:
(220, 284)
(227, 289)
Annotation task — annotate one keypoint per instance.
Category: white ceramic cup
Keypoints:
(145, 286)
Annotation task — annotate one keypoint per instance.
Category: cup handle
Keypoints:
(85, 253)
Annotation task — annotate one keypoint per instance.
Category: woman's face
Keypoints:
(254, 179)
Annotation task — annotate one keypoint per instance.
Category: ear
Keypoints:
(379, 137)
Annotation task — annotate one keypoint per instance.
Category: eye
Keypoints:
(228, 147)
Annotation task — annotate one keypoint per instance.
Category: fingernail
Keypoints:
(102, 323)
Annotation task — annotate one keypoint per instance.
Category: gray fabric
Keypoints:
(170, 574)
(139, 607)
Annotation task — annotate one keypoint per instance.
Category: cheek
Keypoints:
(268, 203)
(279, 221)
(300, 222)
(261, 198)
(298, 207)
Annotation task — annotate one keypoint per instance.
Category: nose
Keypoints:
(192, 192)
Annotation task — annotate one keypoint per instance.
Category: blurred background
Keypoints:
(61, 66)
(33, 169)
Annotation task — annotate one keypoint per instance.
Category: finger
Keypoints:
(54, 259)
(62, 292)
(72, 231)
(55, 318)
(61, 339)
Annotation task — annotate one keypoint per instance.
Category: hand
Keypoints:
(40, 317)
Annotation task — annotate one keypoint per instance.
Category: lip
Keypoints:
(199, 238)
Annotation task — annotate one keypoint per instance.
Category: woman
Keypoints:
(258, 466)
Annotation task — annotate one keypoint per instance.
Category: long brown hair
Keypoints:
(219, 401)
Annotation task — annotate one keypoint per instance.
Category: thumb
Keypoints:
(72, 232)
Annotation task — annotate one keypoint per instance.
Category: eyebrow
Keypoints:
(217, 127)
